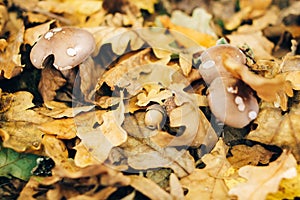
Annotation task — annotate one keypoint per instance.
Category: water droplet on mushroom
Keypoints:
(238, 100)
(57, 29)
(208, 64)
(71, 52)
(252, 115)
(232, 90)
(241, 107)
(48, 35)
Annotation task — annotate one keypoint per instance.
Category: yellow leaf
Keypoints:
(288, 188)
(262, 180)
(208, 183)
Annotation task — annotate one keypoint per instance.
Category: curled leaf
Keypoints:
(274, 90)
(262, 180)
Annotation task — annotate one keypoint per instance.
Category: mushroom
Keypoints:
(211, 65)
(70, 46)
(155, 116)
(232, 102)
(230, 99)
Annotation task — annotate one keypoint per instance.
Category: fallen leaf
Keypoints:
(208, 183)
(264, 179)
(288, 188)
(155, 93)
(16, 164)
(51, 80)
(61, 128)
(175, 188)
(277, 129)
(10, 62)
(19, 130)
(244, 155)
(32, 35)
(147, 187)
(261, 46)
(202, 39)
(144, 157)
(275, 90)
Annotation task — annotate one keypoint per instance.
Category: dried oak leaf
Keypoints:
(149, 188)
(194, 134)
(188, 34)
(51, 80)
(73, 12)
(264, 179)
(208, 183)
(288, 188)
(57, 110)
(136, 71)
(149, 156)
(276, 89)
(100, 140)
(19, 123)
(277, 129)
(261, 46)
(153, 93)
(175, 188)
(244, 155)
(10, 57)
(61, 128)
(32, 35)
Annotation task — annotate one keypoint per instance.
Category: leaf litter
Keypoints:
(90, 121)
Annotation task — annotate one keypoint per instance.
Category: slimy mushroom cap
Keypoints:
(232, 102)
(70, 46)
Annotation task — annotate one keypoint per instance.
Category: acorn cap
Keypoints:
(69, 46)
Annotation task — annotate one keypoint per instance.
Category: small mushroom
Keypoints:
(155, 117)
(232, 102)
(211, 65)
(70, 46)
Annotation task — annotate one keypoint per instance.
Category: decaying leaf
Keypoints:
(203, 39)
(208, 183)
(276, 90)
(288, 188)
(260, 45)
(264, 180)
(51, 80)
(277, 129)
(148, 187)
(10, 62)
(20, 130)
(243, 155)
(155, 93)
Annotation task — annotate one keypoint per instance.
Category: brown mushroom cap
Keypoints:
(232, 102)
(69, 46)
(212, 61)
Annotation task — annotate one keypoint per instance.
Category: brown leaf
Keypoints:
(275, 90)
(243, 155)
(10, 63)
(264, 180)
(277, 129)
(20, 130)
(61, 128)
(147, 187)
(51, 80)
(32, 35)
(208, 183)
(260, 45)
(175, 188)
